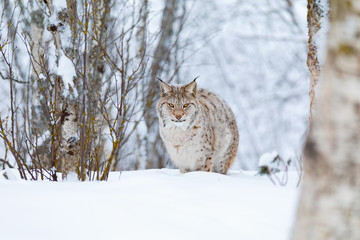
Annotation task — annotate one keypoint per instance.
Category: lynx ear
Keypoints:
(191, 88)
(164, 87)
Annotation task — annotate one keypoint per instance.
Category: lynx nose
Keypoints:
(178, 117)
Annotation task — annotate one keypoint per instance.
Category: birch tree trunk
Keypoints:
(329, 206)
(94, 139)
(36, 123)
(314, 25)
(62, 148)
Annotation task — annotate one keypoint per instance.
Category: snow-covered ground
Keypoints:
(149, 204)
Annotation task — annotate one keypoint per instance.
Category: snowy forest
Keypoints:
(78, 120)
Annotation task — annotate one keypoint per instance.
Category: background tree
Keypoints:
(314, 16)
(329, 206)
(165, 63)
(80, 88)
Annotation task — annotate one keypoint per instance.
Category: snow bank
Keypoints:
(149, 204)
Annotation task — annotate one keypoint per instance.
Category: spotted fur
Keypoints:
(198, 128)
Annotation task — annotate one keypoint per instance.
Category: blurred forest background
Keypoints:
(79, 84)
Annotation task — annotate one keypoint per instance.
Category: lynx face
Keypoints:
(178, 105)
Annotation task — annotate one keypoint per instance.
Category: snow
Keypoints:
(67, 71)
(149, 204)
(59, 4)
(267, 158)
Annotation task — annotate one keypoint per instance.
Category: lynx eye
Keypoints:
(186, 105)
(171, 105)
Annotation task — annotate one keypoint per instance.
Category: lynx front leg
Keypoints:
(219, 167)
(227, 149)
(206, 165)
(202, 165)
(222, 163)
(184, 170)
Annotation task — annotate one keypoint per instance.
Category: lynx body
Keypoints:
(198, 128)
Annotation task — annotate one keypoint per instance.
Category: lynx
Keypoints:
(198, 128)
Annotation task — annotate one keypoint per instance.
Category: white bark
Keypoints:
(330, 200)
(36, 31)
(69, 141)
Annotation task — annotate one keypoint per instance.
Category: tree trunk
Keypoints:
(95, 141)
(314, 25)
(171, 27)
(329, 206)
